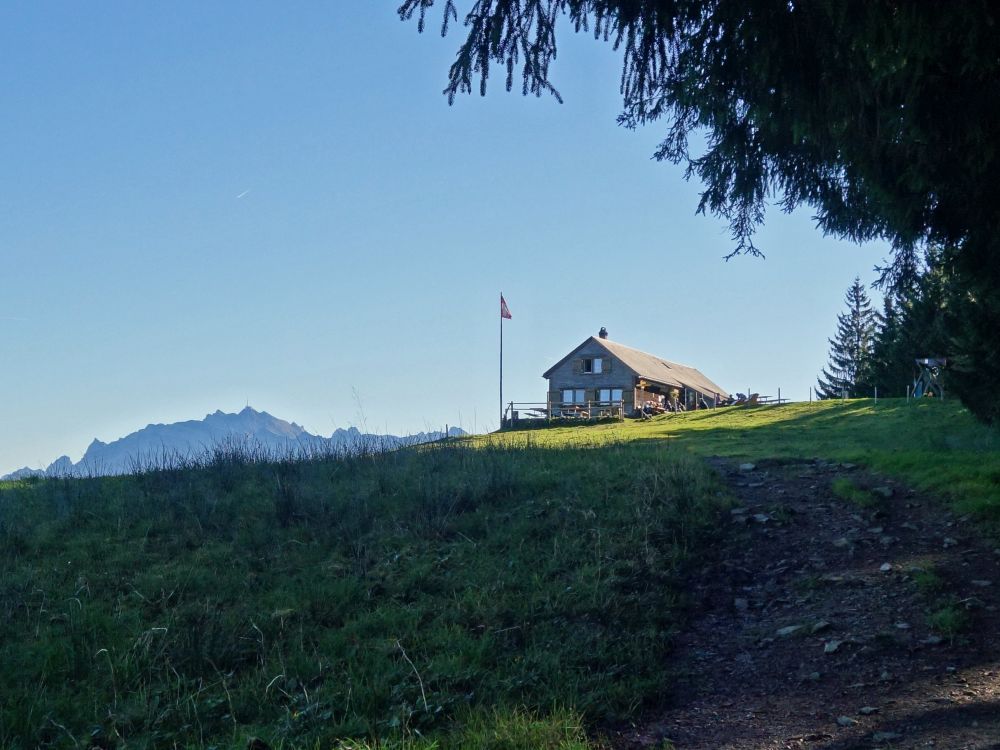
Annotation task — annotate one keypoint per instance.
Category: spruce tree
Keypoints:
(892, 358)
(919, 319)
(850, 369)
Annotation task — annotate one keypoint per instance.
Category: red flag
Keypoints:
(504, 310)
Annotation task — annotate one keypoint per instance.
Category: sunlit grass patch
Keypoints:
(930, 444)
(496, 730)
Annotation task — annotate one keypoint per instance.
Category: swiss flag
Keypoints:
(504, 310)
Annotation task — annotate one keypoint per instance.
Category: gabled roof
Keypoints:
(649, 367)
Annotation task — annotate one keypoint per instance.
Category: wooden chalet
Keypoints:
(601, 376)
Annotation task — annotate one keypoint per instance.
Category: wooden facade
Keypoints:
(600, 371)
(572, 374)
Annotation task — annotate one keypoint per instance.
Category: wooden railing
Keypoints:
(589, 410)
(516, 411)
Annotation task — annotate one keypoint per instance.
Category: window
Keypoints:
(593, 366)
(609, 395)
(573, 396)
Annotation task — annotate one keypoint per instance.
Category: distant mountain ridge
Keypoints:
(257, 430)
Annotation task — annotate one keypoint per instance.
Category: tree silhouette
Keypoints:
(882, 117)
(849, 372)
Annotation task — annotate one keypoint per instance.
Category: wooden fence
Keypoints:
(517, 411)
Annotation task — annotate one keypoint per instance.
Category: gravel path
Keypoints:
(812, 626)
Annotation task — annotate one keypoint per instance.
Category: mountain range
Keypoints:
(254, 431)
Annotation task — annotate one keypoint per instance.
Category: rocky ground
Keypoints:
(836, 624)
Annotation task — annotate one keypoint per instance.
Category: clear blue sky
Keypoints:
(209, 204)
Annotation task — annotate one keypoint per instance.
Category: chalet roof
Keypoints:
(650, 367)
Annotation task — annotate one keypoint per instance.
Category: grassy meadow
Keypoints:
(519, 590)
(933, 445)
(453, 592)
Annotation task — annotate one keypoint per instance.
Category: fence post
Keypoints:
(876, 395)
(779, 395)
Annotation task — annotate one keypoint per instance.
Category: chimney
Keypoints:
(603, 333)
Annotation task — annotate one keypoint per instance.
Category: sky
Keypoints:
(210, 205)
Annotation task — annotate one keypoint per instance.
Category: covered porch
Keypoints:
(661, 396)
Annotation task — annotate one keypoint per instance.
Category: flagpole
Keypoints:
(501, 366)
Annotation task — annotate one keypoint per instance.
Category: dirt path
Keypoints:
(811, 627)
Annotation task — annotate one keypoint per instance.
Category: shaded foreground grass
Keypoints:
(933, 445)
(422, 593)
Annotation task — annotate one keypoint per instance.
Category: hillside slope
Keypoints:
(516, 590)
(932, 445)
(377, 595)
(840, 610)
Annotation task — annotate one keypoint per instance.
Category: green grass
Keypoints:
(496, 730)
(417, 594)
(949, 620)
(946, 615)
(845, 489)
(515, 591)
(929, 582)
(932, 445)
